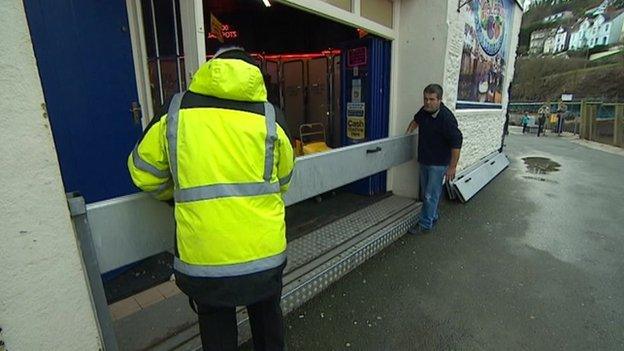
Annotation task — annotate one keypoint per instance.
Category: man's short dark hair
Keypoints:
(434, 89)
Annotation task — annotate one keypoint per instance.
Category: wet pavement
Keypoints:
(533, 262)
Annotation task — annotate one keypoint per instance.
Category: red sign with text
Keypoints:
(357, 57)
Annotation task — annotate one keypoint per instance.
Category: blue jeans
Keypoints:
(431, 178)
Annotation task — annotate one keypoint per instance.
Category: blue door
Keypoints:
(365, 66)
(84, 56)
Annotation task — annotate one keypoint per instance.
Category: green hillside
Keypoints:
(542, 79)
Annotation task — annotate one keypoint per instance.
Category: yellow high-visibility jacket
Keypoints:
(221, 156)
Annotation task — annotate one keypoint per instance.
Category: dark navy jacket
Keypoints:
(437, 136)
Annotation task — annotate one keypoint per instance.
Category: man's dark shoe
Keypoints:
(418, 230)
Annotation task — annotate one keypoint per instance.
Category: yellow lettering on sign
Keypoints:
(356, 128)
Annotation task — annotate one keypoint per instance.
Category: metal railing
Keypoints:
(591, 120)
(607, 131)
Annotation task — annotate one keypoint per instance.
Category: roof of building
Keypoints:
(612, 14)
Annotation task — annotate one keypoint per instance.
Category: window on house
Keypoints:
(604, 41)
(607, 27)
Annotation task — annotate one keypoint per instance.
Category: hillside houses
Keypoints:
(538, 41)
(603, 29)
(601, 26)
(562, 39)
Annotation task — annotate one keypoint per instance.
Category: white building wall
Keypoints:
(482, 129)
(44, 299)
(561, 41)
(596, 32)
(549, 45)
(422, 41)
(575, 40)
(434, 56)
(584, 35)
(617, 26)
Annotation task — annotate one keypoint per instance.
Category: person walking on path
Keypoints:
(525, 121)
(540, 124)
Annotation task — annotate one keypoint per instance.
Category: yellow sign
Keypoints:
(216, 28)
(356, 122)
(356, 128)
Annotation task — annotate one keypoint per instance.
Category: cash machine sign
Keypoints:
(356, 121)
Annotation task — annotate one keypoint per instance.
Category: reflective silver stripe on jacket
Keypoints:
(162, 188)
(271, 137)
(147, 167)
(172, 135)
(214, 191)
(285, 180)
(230, 270)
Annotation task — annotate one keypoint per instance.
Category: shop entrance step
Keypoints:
(315, 261)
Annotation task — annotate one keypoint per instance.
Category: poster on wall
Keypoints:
(485, 54)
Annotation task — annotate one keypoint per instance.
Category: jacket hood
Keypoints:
(230, 79)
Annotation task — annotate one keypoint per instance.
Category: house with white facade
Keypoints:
(604, 29)
(549, 44)
(538, 43)
(579, 34)
(607, 28)
(562, 39)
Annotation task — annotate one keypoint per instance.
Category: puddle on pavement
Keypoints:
(540, 179)
(540, 165)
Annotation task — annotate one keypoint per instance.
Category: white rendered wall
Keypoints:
(482, 129)
(421, 51)
(430, 43)
(45, 303)
(617, 26)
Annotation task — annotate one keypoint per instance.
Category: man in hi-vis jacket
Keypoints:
(223, 154)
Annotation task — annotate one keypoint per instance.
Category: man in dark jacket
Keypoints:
(439, 146)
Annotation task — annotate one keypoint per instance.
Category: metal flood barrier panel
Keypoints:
(470, 181)
(130, 228)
